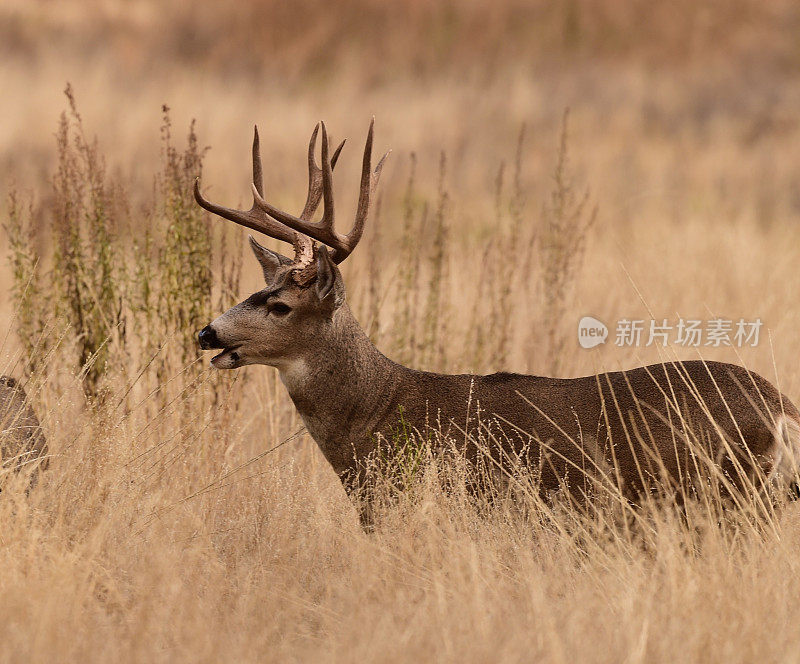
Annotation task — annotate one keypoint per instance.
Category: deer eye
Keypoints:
(279, 309)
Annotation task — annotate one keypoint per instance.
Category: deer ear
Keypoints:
(329, 285)
(269, 260)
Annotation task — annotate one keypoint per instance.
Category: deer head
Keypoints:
(277, 325)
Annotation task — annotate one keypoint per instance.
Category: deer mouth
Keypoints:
(228, 359)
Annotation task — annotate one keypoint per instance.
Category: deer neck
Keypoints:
(342, 387)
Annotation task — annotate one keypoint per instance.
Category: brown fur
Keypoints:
(22, 442)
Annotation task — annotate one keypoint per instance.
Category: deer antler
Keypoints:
(323, 230)
(256, 219)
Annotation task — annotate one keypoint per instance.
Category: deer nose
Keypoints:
(207, 338)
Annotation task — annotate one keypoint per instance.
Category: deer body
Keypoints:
(633, 430)
(625, 425)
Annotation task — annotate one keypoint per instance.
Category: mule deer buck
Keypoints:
(666, 425)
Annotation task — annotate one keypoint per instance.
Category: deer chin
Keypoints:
(229, 358)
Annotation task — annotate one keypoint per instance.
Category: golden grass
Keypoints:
(209, 528)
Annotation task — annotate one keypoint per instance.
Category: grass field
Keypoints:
(185, 515)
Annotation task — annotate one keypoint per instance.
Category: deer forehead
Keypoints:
(288, 294)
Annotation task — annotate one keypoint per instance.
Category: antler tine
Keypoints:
(324, 231)
(258, 177)
(369, 182)
(328, 213)
(254, 218)
(315, 177)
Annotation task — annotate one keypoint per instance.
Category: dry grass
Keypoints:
(198, 522)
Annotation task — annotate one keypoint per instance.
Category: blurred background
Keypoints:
(653, 81)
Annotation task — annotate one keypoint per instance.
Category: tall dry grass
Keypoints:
(186, 516)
